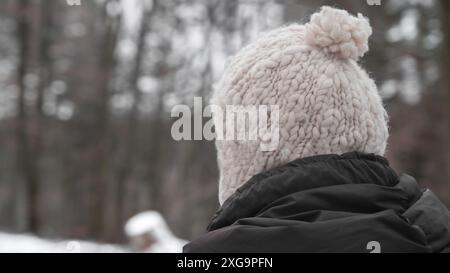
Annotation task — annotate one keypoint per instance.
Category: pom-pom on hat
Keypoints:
(338, 32)
(327, 103)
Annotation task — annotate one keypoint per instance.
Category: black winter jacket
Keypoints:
(330, 203)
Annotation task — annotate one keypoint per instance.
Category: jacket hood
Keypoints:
(329, 203)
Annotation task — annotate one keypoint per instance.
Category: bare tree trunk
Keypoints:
(45, 64)
(445, 68)
(26, 162)
(153, 180)
(157, 167)
(130, 142)
(99, 221)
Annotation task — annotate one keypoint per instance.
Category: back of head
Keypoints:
(327, 103)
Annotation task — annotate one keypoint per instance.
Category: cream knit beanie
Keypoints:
(327, 102)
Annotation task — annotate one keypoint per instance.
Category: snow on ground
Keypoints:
(147, 232)
(22, 243)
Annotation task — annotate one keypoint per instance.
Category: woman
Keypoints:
(326, 187)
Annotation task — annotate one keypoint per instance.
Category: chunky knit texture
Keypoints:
(328, 104)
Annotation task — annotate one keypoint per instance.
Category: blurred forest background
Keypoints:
(86, 93)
